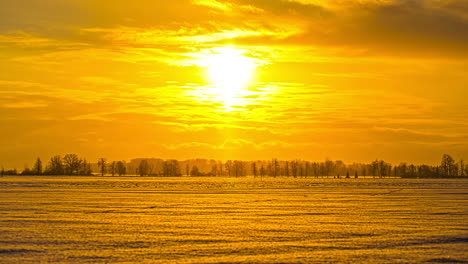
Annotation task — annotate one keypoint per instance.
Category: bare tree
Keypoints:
(254, 169)
(72, 164)
(102, 163)
(112, 168)
(294, 169)
(328, 167)
(55, 166)
(238, 168)
(37, 168)
(120, 167)
(214, 169)
(85, 168)
(462, 168)
(274, 167)
(228, 166)
(448, 165)
(194, 172)
(171, 168)
(143, 168)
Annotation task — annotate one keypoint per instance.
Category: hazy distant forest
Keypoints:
(73, 165)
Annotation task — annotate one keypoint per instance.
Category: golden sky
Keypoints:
(239, 79)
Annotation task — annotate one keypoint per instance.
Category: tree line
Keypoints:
(72, 164)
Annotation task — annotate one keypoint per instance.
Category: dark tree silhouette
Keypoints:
(112, 168)
(37, 168)
(55, 166)
(143, 168)
(102, 163)
(462, 168)
(214, 170)
(27, 171)
(238, 168)
(254, 169)
(448, 166)
(194, 172)
(229, 168)
(328, 167)
(72, 164)
(120, 168)
(85, 168)
(171, 168)
(262, 171)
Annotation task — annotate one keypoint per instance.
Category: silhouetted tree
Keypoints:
(274, 167)
(143, 168)
(195, 172)
(315, 169)
(221, 168)
(102, 163)
(120, 168)
(85, 168)
(214, 169)
(55, 166)
(27, 171)
(403, 169)
(229, 168)
(112, 168)
(294, 168)
(375, 168)
(286, 169)
(307, 169)
(328, 166)
(37, 168)
(412, 170)
(72, 164)
(262, 171)
(462, 168)
(239, 168)
(448, 166)
(254, 169)
(171, 168)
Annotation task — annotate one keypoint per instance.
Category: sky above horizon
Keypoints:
(309, 79)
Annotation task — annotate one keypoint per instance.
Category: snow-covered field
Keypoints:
(229, 220)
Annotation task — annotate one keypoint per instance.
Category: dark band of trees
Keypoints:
(72, 164)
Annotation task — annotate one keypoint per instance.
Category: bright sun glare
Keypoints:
(229, 72)
(229, 69)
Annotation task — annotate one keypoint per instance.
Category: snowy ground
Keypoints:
(228, 220)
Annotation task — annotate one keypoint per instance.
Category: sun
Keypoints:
(228, 69)
(229, 73)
